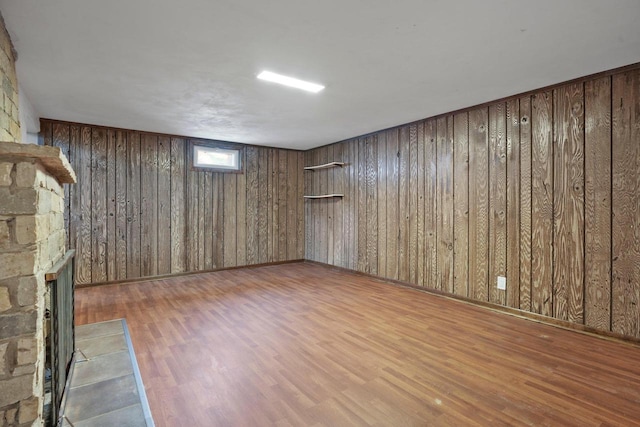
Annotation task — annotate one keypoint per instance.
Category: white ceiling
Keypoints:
(189, 67)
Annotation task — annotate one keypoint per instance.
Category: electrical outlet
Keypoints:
(502, 283)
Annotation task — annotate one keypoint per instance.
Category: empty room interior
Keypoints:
(299, 213)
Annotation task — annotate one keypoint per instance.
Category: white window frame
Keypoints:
(216, 146)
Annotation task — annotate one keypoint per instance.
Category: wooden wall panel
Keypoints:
(98, 205)
(461, 204)
(148, 205)
(392, 192)
(301, 218)
(413, 203)
(625, 298)
(597, 163)
(371, 214)
(264, 205)
(139, 209)
(208, 202)
(525, 204)
(218, 231)
(382, 204)
(178, 206)
(361, 216)
(444, 203)
(497, 201)
(542, 188)
(513, 203)
(281, 234)
(421, 220)
(164, 205)
(568, 205)
(478, 205)
(430, 211)
(542, 204)
(338, 207)
(60, 137)
(403, 204)
(111, 205)
(330, 207)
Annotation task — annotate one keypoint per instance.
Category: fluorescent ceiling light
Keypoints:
(290, 81)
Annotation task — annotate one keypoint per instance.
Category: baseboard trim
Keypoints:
(183, 273)
(563, 324)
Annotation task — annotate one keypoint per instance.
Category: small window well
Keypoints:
(214, 157)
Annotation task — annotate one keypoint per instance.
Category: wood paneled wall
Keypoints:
(140, 210)
(542, 188)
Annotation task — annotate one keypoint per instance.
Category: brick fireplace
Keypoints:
(32, 239)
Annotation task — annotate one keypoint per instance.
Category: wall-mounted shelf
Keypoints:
(324, 196)
(325, 166)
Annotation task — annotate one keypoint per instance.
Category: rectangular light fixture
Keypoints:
(290, 81)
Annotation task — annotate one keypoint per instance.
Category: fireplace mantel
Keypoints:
(51, 158)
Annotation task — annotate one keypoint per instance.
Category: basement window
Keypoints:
(217, 157)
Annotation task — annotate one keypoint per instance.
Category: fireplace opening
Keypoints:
(59, 336)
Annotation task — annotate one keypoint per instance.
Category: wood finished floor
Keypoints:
(302, 344)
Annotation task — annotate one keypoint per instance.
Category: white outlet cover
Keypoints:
(502, 283)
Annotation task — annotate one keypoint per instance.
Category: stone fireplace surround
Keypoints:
(32, 239)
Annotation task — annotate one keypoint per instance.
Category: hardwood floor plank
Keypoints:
(303, 344)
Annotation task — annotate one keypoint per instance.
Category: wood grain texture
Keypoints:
(597, 203)
(444, 204)
(60, 137)
(353, 200)
(371, 161)
(201, 229)
(207, 197)
(542, 204)
(192, 215)
(178, 206)
(111, 205)
(302, 344)
(525, 203)
(568, 204)
(513, 203)
(430, 211)
(301, 219)
(241, 217)
(230, 220)
(149, 205)
(140, 209)
(98, 205)
(625, 292)
(421, 235)
(164, 205)
(478, 205)
(413, 203)
(497, 201)
(217, 204)
(461, 204)
(264, 203)
(281, 234)
(291, 180)
(330, 206)
(338, 206)
(393, 216)
(253, 205)
(404, 196)
(83, 187)
(75, 212)
(133, 207)
(382, 204)
(362, 206)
